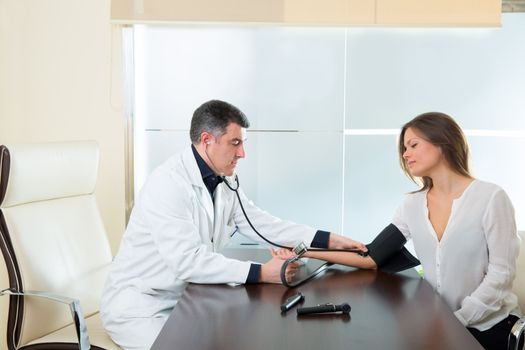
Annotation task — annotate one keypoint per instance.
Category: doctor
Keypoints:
(182, 217)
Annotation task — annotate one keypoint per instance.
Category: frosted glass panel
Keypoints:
(178, 68)
(500, 160)
(153, 148)
(282, 78)
(295, 176)
(323, 82)
(475, 74)
(300, 79)
(374, 185)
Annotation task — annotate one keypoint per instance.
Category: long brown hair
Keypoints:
(442, 131)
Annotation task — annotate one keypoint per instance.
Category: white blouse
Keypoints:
(474, 265)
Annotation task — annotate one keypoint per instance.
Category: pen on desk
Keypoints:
(291, 302)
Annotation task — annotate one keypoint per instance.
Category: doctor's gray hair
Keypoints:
(214, 117)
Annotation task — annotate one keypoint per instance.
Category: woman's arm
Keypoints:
(344, 258)
(503, 248)
(388, 245)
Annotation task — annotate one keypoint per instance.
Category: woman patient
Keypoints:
(463, 230)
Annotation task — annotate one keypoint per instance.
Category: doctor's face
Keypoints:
(228, 149)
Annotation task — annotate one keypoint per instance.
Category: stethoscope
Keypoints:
(298, 250)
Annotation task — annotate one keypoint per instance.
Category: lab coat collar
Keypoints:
(203, 167)
(195, 177)
(190, 163)
(210, 179)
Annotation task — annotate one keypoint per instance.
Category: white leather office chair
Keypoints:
(54, 245)
(519, 289)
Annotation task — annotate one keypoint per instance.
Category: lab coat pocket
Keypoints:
(228, 232)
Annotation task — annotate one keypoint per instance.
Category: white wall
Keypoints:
(56, 84)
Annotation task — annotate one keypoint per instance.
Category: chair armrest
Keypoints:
(515, 333)
(74, 307)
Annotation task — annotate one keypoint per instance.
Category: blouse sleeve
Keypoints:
(499, 227)
(399, 219)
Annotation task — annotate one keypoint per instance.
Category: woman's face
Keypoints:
(421, 156)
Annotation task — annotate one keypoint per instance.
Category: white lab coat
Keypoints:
(173, 236)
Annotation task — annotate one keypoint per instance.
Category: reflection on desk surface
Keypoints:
(398, 311)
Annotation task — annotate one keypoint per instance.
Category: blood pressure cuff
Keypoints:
(389, 253)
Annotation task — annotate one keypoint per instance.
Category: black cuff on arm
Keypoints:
(254, 274)
(388, 251)
(320, 239)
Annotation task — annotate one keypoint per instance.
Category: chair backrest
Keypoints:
(52, 236)
(519, 282)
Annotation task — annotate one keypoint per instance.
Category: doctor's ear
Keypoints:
(207, 138)
(208, 141)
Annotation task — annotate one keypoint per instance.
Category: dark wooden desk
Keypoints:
(388, 312)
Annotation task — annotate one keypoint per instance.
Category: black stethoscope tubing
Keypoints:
(295, 258)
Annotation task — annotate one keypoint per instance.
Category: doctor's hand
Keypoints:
(271, 271)
(342, 242)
